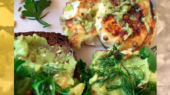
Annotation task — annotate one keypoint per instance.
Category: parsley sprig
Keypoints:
(43, 83)
(34, 10)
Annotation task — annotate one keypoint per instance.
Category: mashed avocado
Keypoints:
(39, 53)
(114, 75)
(68, 7)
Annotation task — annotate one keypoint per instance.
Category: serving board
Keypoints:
(55, 11)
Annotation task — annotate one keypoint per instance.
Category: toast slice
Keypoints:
(53, 39)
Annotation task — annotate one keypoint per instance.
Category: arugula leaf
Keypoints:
(146, 52)
(34, 9)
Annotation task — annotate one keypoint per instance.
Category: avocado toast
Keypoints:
(41, 65)
(114, 72)
(45, 64)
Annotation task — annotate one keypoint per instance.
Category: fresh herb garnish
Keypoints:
(154, 49)
(43, 83)
(34, 9)
(85, 76)
(146, 52)
(114, 57)
(150, 90)
(111, 67)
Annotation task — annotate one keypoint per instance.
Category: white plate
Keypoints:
(56, 10)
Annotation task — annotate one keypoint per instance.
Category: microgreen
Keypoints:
(34, 9)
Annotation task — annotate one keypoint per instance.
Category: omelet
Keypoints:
(129, 23)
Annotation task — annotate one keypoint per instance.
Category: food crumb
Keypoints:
(15, 23)
(21, 1)
(21, 16)
(135, 44)
(19, 9)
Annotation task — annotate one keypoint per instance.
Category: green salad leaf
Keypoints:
(34, 9)
(146, 52)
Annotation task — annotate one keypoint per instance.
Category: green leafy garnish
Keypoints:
(34, 9)
(150, 90)
(146, 52)
(111, 67)
(42, 83)
(114, 57)
(85, 75)
(154, 49)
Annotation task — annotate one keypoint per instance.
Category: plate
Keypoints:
(56, 10)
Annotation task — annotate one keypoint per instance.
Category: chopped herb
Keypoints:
(34, 9)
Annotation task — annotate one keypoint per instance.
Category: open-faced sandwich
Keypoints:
(45, 64)
(130, 23)
(114, 72)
